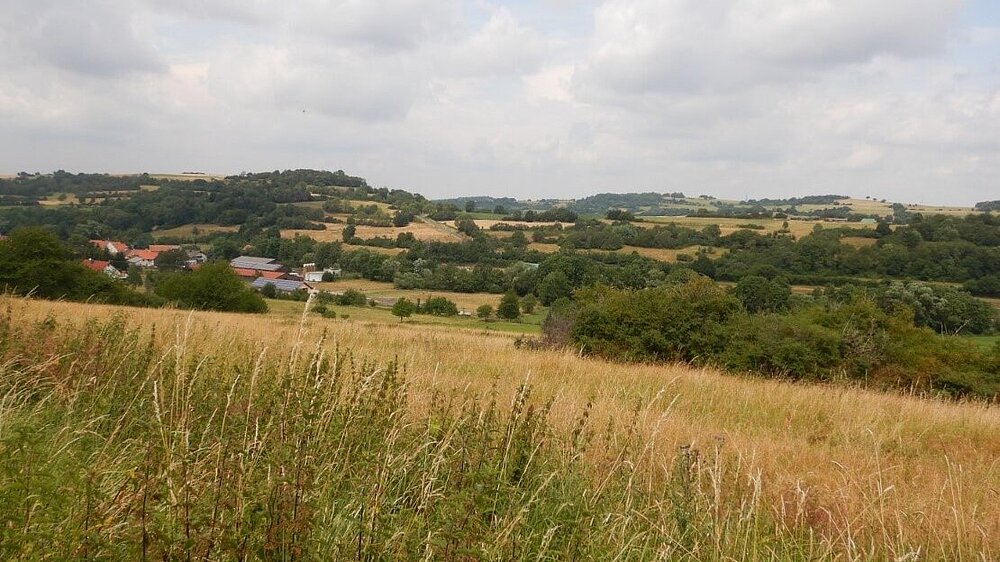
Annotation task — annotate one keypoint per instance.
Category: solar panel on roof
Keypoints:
(286, 285)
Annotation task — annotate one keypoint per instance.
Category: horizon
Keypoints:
(207, 175)
(545, 100)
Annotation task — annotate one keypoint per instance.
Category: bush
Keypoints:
(352, 297)
(213, 286)
(439, 306)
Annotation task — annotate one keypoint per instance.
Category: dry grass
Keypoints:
(465, 301)
(420, 230)
(485, 224)
(542, 247)
(670, 254)
(187, 230)
(858, 241)
(797, 228)
(876, 475)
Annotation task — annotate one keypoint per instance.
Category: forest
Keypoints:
(913, 280)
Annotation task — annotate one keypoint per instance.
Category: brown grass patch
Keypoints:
(860, 467)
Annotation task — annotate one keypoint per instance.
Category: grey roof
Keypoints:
(258, 266)
(284, 285)
(253, 259)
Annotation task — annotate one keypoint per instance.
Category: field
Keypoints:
(797, 228)
(55, 200)
(427, 231)
(464, 301)
(677, 463)
(187, 231)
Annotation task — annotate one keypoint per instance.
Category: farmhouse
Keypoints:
(104, 267)
(113, 247)
(142, 258)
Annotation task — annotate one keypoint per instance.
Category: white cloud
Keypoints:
(730, 97)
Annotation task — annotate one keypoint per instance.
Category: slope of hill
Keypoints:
(134, 432)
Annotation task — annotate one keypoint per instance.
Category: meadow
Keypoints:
(151, 433)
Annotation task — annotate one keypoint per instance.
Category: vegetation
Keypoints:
(213, 286)
(33, 261)
(854, 339)
(185, 440)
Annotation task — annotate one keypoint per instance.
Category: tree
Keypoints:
(403, 308)
(470, 206)
(528, 303)
(348, 233)
(509, 308)
(269, 290)
(213, 286)
(759, 294)
(499, 210)
(171, 259)
(134, 275)
(484, 311)
(555, 285)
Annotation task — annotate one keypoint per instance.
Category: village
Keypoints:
(258, 272)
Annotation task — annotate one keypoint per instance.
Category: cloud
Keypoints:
(93, 39)
(698, 46)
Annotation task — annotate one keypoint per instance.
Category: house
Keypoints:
(159, 248)
(104, 267)
(113, 247)
(142, 258)
(195, 259)
(282, 285)
(869, 222)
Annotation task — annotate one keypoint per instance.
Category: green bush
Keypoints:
(213, 286)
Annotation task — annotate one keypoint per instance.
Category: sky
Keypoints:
(896, 99)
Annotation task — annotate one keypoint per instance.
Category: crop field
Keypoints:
(465, 301)
(543, 247)
(858, 241)
(487, 223)
(60, 199)
(797, 228)
(188, 231)
(421, 231)
(670, 254)
(147, 429)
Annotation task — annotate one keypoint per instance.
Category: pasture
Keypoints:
(710, 466)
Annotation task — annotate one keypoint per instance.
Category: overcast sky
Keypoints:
(553, 98)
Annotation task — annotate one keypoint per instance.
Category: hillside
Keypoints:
(140, 431)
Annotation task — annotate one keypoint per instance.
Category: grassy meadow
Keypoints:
(147, 433)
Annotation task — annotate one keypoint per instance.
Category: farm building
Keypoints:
(104, 267)
(113, 247)
(282, 285)
(257, 264)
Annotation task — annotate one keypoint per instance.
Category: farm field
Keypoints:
(291, 312)
(188, 231)
(420, 230)
(670, 254)
(465, 301)
(833, 473)
(60, 199)
(797, 228)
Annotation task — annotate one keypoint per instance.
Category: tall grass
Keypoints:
(184, 439)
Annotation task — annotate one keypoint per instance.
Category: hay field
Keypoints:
(187, 230)
(420, 230)
(464, 301)
(866, 475)
(670, 254)
(797, 228)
